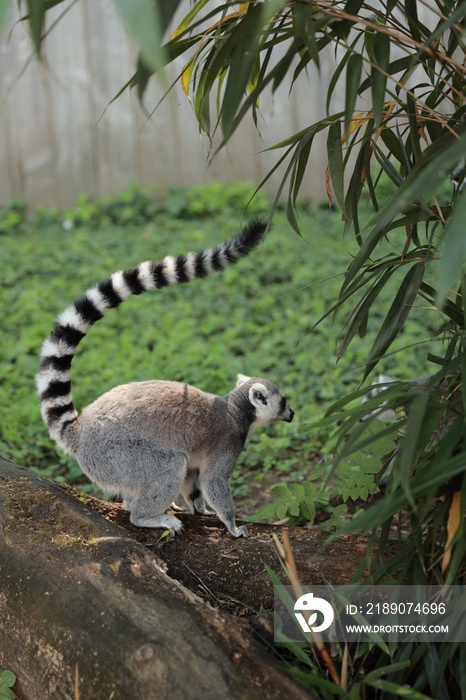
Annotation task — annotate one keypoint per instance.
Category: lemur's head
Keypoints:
(268, 400)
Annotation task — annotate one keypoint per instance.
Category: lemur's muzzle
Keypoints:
(290, 417)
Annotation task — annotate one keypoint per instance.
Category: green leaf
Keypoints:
(353, 77)
(308, 510)
(337, 73)
(306, 27)
(143, 23)
(309, 487)
(6, 694)
(335, 162)
(336, 520)
(411, 443)
(293, 507)
(297, 490)
(36, 10)
(267, 510)
(5, 6)
(281, 510)
(393, 688)
(186, 21)
(7, 678)
(413, 126)
(396, 315)
(361, 313)
(241, 48)
(454, 254)
(280, 490)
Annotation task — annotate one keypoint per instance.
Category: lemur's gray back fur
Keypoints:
(54, 377)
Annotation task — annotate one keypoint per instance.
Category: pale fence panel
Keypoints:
(55, 144)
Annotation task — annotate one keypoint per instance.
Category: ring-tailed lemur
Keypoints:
(150, 441)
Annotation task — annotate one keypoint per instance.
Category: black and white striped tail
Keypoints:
(54, 377)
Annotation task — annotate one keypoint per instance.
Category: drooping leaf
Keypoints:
(36, 15)
(243, 47)
(381, 60)
(411, 445)
(353, 77)
(335, 162)
(306, 26)
(453, 524)
(4, 12)
(361, 313)
(454, 253)
(143, 22)
(396, 315)
(337, 73)
(188, 18)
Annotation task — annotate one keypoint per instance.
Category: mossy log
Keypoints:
(87, 611)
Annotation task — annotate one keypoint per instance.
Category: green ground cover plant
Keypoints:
(7, 681)
(255, 318)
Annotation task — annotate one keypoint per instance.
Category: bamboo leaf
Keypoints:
(431, 169)
(353, 77)
(395, 689)
(307, 29)
(411, 446)
(301, 166)
(187, 20)
(243, 44)
(396, 315)
(381, 57)
(4, 12)
(337, 73)
(358, 324)
(394, 144)
(36, 14)
(143, 23)
(413, 20)
(165, 12)
(453, 524)
(413, 126)
(353, 6)
(335, 163)
(186, 76)
(454, 255)
(385, 670)
(449, 308)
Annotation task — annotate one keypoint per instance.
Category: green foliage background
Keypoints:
(254, 318)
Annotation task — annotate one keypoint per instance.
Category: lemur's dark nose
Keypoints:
(288, 420)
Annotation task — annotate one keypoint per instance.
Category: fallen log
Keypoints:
(87, 611)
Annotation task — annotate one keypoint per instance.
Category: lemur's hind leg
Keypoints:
(156, 494)
(193, 496)
(216, 490)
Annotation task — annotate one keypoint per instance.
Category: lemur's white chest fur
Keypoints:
(151, 441)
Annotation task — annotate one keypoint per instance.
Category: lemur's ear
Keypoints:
(258, 395)
(241, 379)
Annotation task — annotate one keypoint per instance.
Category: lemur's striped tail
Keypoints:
(54, 377)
